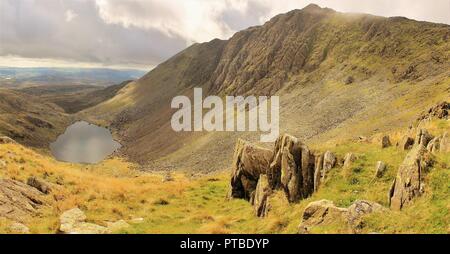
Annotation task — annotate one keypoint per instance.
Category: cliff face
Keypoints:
(338, 76)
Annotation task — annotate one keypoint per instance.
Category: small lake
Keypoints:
(83, 142)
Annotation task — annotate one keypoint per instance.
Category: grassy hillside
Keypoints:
(334, 73)
(30, 120)
(115, 190)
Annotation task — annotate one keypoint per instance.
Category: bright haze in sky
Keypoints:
(143, 33)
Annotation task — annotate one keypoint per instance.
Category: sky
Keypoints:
(143, 33)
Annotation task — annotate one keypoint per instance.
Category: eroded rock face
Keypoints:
(249, 162)
(293, 163)
(408, 182)
(18, 200)
(261, 200)
(74, 222)
(318, 171)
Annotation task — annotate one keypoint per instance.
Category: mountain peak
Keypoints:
(312, 7)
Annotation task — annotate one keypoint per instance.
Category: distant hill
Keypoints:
(339, 76)
(26, 77)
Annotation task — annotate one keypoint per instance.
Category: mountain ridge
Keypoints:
(333, 71)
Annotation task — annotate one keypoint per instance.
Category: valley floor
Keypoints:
(116, 190)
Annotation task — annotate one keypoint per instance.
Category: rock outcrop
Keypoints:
(321, 212)
(325, 212)
(407, 184)
(18, 200)
(380, 168)
(358, 209)
(434, 145)
(349, 159)
(444, 145)
(385, 142)
(249, 162)
(423, 137)
(74, 222)
(7, 140)
(39, 184)
(261, 200)
(406, 143)
(440, 111)
(293, 164)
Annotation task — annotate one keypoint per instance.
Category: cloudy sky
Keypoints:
(143, 33)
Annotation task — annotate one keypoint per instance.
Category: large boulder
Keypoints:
(324, 212)
(249, 162)
(292, 168)
(408, 181)
(74, 222)
(261, 200)
(18, 200)
(321, 213)
(360, 208)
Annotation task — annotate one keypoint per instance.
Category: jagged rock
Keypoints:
(74, 222)
(440, 111)
(363, 139)
(293, 164)
(318, 170)
(406, 143)
(249, 162)
(261, 200)
(434, 145)
(18, 200)
(380, 168)
(385, 142)
(329, 161)
(41, 185)
(349, 159)
(423, 137)
(117, 226)
(444, 146)
(360, 208)
(19, 228)
(406, 185)
(324, 212)
(7, 140)
(321, 212)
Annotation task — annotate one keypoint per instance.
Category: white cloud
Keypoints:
(70, 15)
(193, 20)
